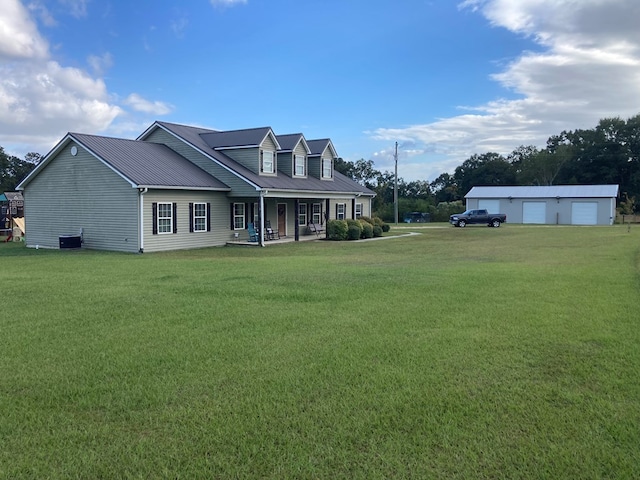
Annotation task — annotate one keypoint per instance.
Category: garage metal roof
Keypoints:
(553, 191)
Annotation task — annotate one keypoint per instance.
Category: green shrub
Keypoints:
(386, 227)
(367, 230)
(357, 224)
(353, 232)
(337, 229)
(377, 231)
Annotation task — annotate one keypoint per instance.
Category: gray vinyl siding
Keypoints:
(73, 193)
(247, 157)
(220, 232)
(238, 186)
(285, 163)
(314, 165)
(250, 157)
(348, 210)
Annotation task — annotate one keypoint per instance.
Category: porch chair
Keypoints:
(271, 233)
(253, 235)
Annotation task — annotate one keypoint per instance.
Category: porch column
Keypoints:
(261, 215)
(327, 214)
(296, 227)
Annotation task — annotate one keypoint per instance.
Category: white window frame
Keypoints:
(358, 210)
(316, 213)
(341, 215)
(302, 214)
(199, 221)
(299, 166)
(327, 168)
(165, 222)
(268, 158)
(238, 216)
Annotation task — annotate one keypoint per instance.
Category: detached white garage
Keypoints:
(550, 205)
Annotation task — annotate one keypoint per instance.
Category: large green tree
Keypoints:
(13, 170)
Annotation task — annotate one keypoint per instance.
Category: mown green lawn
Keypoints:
(457, 353)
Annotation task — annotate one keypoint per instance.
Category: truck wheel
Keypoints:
(495, 223)
(462, 223)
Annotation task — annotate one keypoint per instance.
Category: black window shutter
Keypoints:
(353, 208)
(190, 217)
(154, 209)
(175, 218)
(246, 215)
(231, 215)
(336, 211)
(208, 217)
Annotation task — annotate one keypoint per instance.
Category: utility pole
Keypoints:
(395, 186)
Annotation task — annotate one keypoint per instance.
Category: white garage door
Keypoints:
(491, 206)
(534, 212)
(584, 213)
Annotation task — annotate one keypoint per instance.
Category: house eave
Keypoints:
(269, 192)
(183, 187)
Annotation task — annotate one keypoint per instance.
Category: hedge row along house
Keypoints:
(178, 187)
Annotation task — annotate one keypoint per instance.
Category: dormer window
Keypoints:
(267, 161)
(300, 167)
(327, 168)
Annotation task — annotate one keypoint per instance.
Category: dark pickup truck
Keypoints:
(477, 216)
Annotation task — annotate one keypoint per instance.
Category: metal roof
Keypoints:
(553, 191)
(318, 146)
(289, 142)
(148, 164)
(281, 182)
(250, 137)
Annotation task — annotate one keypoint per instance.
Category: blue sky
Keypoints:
(445, 79)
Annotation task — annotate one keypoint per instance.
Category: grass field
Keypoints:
(457, 353)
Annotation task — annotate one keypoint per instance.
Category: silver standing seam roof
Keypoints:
(147, 164)
(553, 191)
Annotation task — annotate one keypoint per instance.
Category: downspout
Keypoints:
(141, 192)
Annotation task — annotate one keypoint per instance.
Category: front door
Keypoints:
(282, 219)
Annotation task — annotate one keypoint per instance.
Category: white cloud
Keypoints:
(43, 13)
(77, 8)
(40, 99)
(589, 69)
(19, 36)
(100, 63)
(140, 104)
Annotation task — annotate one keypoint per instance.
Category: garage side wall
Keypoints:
(80, 192)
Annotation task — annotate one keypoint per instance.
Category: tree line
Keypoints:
(606, 154)
(13, 169)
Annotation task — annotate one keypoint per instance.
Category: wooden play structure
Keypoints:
(12, 225)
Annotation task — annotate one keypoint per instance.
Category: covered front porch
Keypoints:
(244, 240)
